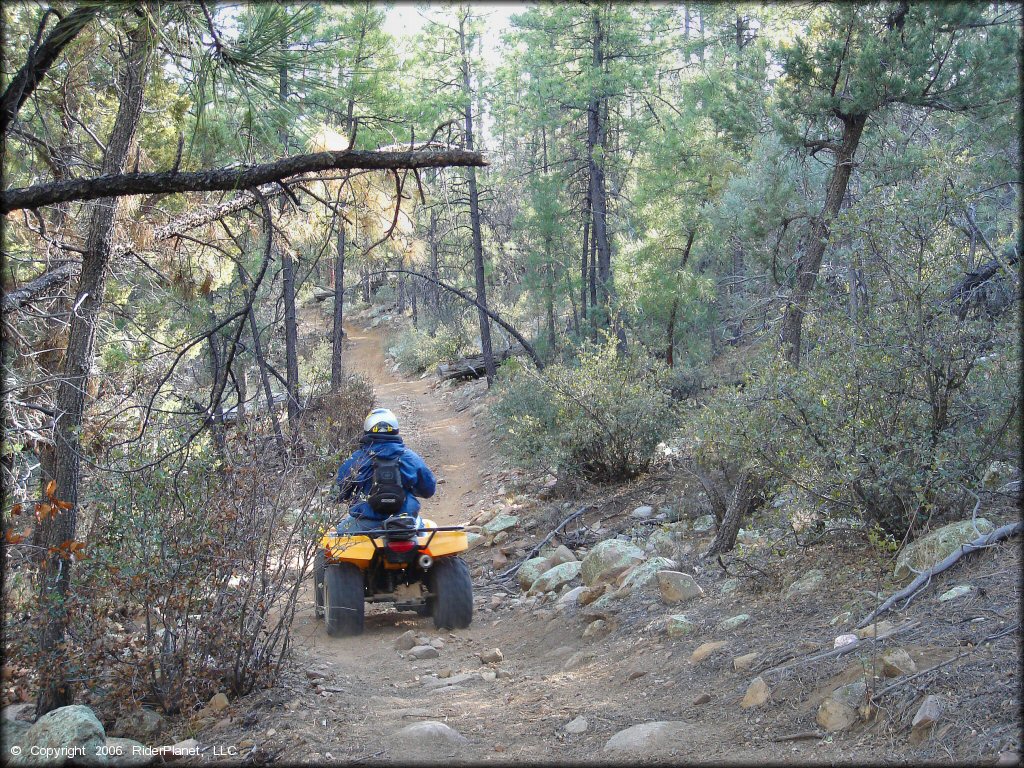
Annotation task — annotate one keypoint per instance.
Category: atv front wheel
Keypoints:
(318, 582)
(453, 593)
(343, 599)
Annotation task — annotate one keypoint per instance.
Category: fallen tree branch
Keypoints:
(533, 552)
(226, 179)
(841, 650)
(801, 736)
(24, 294)
(903, 681)
(472, 300)
(925, 577)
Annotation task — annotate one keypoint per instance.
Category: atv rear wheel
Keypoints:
(343, 599)
(318, 582)
(453, 593)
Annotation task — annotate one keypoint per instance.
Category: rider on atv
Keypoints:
(358, 476)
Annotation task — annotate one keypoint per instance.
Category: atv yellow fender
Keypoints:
(358, 549)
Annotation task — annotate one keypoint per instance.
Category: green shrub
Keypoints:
(416, 351)
(882, 422)
(600, 419)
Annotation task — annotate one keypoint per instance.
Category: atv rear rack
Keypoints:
(415, 533)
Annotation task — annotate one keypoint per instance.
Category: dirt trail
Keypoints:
(369, 690)
(350, 697)
(446, 440)
(359, 692)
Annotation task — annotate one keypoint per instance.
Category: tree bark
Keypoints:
(39, 61)
(810, 260)
(216, 371)
(338, 335)
(227, 179)
(55, 688)
(584, 287)
(671, 335)
(291, 331)
(741, 503)
(474, 215)
(549, 266)
(598, 199)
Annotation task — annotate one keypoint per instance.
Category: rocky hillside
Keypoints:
(601, 635)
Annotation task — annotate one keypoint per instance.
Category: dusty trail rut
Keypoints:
(348, 698)
(361, 691)
(371, 692)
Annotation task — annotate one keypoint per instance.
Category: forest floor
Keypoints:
(348, 699)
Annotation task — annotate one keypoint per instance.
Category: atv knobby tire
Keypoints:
(343, 599)
(318, 582)
(453, 593)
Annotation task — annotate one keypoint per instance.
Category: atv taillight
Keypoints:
(401, 546)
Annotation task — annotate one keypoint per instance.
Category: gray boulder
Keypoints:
(64, 735)
(938, 545)
(666, 736)
(532, 570)
(431, 738)
(679, 626)
(646, 574)
(556, 577)
(562, 554)
(501, 523)
(570, 598)
(663, 542)
(608, 559)
(704, 523)
(733, 622)
(11, 733)
(809, 582)
(642, 513)
(142, 724)
(677, 587)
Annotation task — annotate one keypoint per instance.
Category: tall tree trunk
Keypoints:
(401, 287)
(338, 334)
(474, 215)
(584, 278)
(596, 139)
(366, 283)
(261, 364)
(671, 340)
(549, 267)
(56, 690)
(435, 274)
(216, 371)
(810, 260)
(593, 271)
(291, 335)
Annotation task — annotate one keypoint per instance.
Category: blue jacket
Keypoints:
(355, 476)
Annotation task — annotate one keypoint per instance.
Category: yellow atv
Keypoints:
(416, 568)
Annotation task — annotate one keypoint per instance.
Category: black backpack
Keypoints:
(387, 494)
